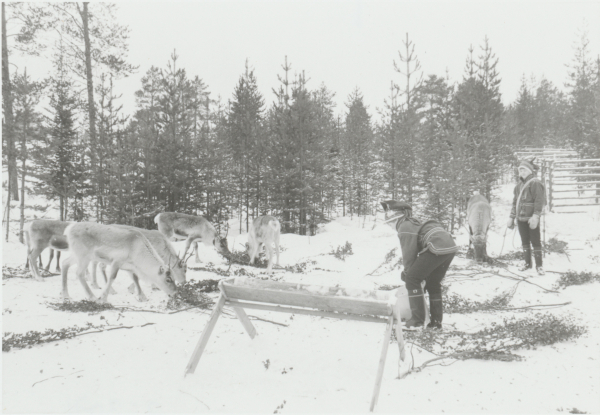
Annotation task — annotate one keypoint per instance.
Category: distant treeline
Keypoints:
(301, 160)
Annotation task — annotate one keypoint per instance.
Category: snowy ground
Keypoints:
(312, 364)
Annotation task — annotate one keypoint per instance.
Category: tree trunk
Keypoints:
(7, 205)
(8, 129)
(90, 90)
(22, 224)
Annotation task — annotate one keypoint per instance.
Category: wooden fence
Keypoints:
(571, 181)
(545, 153)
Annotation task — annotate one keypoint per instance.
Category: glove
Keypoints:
(511, 223)
(534, 222)
(403, 276)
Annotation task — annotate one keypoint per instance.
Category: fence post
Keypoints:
(550, 168)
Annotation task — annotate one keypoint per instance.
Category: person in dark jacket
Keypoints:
(427, 251)
(528, 203)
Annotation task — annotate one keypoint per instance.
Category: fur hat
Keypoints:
(528, 164)
(395, 205)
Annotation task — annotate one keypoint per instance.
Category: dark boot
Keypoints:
(537, 254)
(436, 308)
(527, 258)
(417, 309)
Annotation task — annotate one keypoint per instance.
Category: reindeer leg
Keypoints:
(103, 272)
(269, 250)
(47, 269)
(94, 275)
(196, 251)
(33, 259)
(114, 268)
(81, 267)
(67, 262)
(277, 249)
(139, 294)
(57, 261)
(254, 251)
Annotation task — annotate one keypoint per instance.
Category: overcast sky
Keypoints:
(349, 44)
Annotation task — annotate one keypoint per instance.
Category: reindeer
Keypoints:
(164, 249)
(121, 248)
(479, 217)
(179, 226)
(264, 230)
(38, 234)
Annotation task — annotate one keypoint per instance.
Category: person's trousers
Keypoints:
(530, 237)
(430, 268)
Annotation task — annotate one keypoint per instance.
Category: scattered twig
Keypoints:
(521, 278)
(187, 393)
(59, 376)
(533, 306)
(268, 321)
(184, 309)
(112, 328)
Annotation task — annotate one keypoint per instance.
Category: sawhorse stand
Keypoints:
(361, 305)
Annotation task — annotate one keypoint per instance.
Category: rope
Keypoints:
(503, 239)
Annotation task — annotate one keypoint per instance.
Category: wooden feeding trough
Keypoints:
(335, 302)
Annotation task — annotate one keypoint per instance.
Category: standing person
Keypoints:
(528, 202)
(427, 251)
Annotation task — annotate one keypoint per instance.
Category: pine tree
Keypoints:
(583, 93)
(248, 144)
(60, 160)
(551, 107)
(525, 116)
(410, 118)
(27, 126)
(479, 112)
(360, 139)
(436, 151)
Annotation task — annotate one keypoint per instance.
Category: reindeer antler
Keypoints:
(185, 260)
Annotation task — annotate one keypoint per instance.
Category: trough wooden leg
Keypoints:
(243, 317)
(384, 349)
(400, 338)
(191, 366)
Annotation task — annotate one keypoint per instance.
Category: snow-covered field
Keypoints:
(309, 364)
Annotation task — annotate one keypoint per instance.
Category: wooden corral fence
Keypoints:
(572, 182)
(545, 153)
(569, 180)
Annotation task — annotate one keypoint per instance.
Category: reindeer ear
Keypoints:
(385, 206)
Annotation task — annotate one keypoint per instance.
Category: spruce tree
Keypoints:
(60, 159)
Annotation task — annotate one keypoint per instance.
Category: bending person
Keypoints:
(427, 251)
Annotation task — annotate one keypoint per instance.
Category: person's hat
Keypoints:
(528, 164)
(395, 205)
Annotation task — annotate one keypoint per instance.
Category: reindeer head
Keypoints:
(163, 279)
(220, 242)
(479, 244)
(178, 269)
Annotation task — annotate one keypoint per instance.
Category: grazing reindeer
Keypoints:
(121, 248)
(164, 249)
(38, 234)
(479, 217)
(192, 228)
(264, 230)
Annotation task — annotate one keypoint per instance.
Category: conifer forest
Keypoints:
(294, 154)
